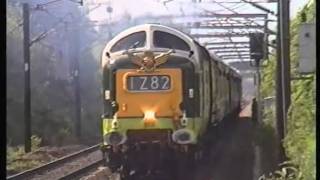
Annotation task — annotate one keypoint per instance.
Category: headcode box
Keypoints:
(307, 48)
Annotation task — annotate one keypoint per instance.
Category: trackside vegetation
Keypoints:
(299, 143)
(16, 159)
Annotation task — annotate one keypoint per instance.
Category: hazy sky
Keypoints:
(138, 8)
(156, 7)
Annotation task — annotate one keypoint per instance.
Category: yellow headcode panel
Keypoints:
(139, 92)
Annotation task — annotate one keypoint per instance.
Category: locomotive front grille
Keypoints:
(149, 136)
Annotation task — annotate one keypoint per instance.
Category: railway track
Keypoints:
(48, 171)
(77, 163)
(82, 171)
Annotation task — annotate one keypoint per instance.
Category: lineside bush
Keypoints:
(299, 142)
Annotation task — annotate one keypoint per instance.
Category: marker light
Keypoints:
(149, 118)
(184, 120)
(115, 122)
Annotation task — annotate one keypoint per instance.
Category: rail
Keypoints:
(82, 171)
(53, 164)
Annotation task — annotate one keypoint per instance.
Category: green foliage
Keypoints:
(266, 129)
(52, 94)
(16, 160)
(22, 165)
(35, 142)
(14, 67)
(299, 142)
(63, 137)
(14, 153)
(265, 138)
(268, 78)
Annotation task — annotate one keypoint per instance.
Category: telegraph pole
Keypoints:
(285, 57)
(279, 100)
(283, 90)
(27, 89)
(258, 77)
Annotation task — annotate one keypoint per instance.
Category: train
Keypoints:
(162, 93)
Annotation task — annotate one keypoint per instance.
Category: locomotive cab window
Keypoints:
(166, 40)
(134, 40)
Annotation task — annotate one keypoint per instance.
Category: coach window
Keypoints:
(166, 40)
(134, 40)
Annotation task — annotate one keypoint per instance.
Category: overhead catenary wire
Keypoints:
(48, 3)
(52, 15)
(61, 20)
(19, 24)
(46, 33)
(236, 6)
(41, 7)
(15, 28)
(227, 19)
(252, 21)
(236, 12)
(260, 7)
(38, 7)
(240, 1)
(233, 11)
(229, 38)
